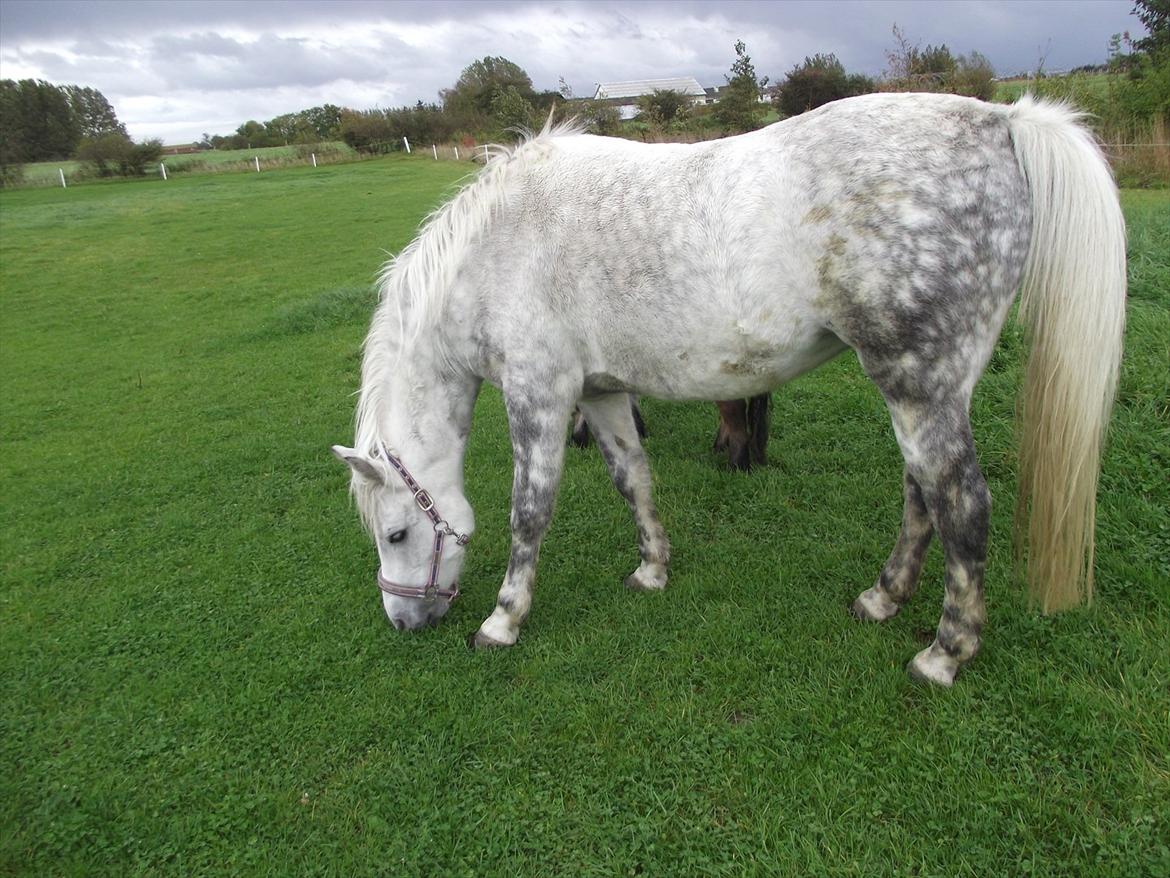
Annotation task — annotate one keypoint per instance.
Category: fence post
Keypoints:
(485, 154)
(256, 158)
(435, 150)
(407, 142)
(314, 155)
(61, 171)
(162, 169)
(456, 153)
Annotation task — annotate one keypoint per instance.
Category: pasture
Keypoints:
(196, 676)
(208, 161)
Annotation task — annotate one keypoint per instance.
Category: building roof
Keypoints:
(636, 87)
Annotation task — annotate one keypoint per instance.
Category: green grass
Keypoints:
(196, 677)
(1008, 90)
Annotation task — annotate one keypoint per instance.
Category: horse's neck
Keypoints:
(417, 406)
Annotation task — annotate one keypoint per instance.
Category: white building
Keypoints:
(624, 95)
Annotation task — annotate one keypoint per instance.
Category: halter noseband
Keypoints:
(431, 590)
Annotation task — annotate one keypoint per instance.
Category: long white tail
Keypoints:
(1072, 304)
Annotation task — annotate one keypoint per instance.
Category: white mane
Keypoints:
(414, 285)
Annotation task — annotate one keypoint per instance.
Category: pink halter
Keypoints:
(431, 590)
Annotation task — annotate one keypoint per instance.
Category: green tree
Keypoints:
(819, 80)
(664, 107)
(40, 121)
(12, 147)
(1155, 15)
(325, 120)
(512, 111)
(92, 113)
(479, 82)
(253, 134)
(739, 108)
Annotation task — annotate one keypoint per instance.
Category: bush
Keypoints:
(598, 116)
(664, 108)
(116, 155)
(818, 81)
(11, 173)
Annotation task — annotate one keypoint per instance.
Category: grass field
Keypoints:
(46, 173)
(196, 677)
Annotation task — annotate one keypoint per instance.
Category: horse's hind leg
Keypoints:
(613, 424)
(733, 433)
(936, 442)
(899, 576)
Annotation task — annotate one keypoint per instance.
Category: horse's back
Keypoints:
(877, 221)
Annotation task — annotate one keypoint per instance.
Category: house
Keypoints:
(181, 149)
(624, 95)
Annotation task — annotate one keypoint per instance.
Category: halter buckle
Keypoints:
(424, 501)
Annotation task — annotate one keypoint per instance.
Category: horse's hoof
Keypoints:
(739, 459)
(478, 640)
(874, 605)
(635, 583)
(933, 667)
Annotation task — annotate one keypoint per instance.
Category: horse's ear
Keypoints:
(363, 466)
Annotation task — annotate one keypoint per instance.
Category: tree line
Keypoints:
(495, 98)
(40, 121)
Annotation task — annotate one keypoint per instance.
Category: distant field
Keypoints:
(1008, 90)
(196, 677)
(46, 173)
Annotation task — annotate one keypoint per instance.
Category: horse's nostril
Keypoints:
(398, 624)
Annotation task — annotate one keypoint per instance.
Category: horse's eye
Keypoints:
(397, 537)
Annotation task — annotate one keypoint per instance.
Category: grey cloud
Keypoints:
(276, 56)
(213, 62)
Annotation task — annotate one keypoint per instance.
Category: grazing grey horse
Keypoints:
(575, 270)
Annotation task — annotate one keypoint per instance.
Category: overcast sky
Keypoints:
(180, 68)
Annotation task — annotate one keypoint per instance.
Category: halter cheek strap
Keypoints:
(443, 530)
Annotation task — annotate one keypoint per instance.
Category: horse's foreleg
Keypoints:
(899, 577)
(615, 429)
(536, 421)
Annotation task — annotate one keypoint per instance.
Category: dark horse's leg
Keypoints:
(733, 433)
(759, 417)
(612, 419)
(743, 430)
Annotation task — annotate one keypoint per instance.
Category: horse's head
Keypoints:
(420, 522)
